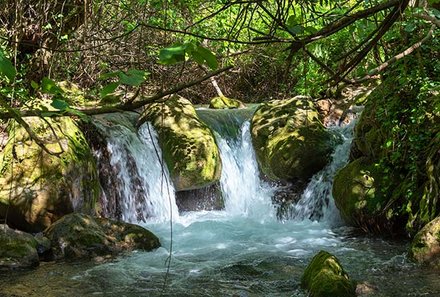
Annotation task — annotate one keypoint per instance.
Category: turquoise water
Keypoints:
(241, 251)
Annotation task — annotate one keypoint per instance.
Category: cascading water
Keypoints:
(244, 193)
(240, 251)
(144, 186)
(316, 202)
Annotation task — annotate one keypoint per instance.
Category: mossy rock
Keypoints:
(289, 139)
(37, 188)
(72, 93)
(425, 247)
(223, 102)
(188, 145)
(325, 277)
(356, 194)
(17, 249)
(83, 236)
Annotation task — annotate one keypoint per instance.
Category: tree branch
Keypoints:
(128, 106)
(342, 23)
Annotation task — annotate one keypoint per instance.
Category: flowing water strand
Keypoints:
(243, 191)
(316, 202)
(137, 166)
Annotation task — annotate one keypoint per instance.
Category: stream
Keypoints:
(243, 250)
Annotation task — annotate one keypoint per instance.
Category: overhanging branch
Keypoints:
(129, 106)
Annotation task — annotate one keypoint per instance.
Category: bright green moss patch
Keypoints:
(325, 277)
(188, 145)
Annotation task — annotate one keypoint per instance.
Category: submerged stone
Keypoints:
(17, 249)
(325, 277)
(425, 247)
(289, 140)
(188, 145)
(36, 187)
(83, 236)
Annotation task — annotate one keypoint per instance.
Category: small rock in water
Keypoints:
(325, 277)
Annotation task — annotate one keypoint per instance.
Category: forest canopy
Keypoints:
(127, 53)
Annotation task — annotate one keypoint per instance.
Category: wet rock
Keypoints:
(17, 249)
(37, 188)
(289, 140)
(222, 102)
(96, 134)
(325, 277)
(209, 198)
(425, 247)
(188, 145)
(83, 236)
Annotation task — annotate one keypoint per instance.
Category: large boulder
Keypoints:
(223, 102)
(83, 236)
(188, 145)
(425, 247)
(17, 249)
(289, 140)
(392, 183)
(37, 187)
(357, 195)
(325, 277)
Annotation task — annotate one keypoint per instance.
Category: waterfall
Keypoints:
(139, 185)
(142, 185)
(316, 202)
(243, 191)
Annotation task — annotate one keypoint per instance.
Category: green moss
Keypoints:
(289, 139)
(82, 236)
(188, 145)
(39, 187)
(17, 249)
(325, 277)
(425, 247)
(222, 102)
(355, 190)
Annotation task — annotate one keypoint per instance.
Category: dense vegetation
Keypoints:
(78, 58)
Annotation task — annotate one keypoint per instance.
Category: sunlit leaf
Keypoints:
(6, 67)
(133, 77)
(50, 87)
(108, 89)
(205, 56)
(172, 55)
(59, 104)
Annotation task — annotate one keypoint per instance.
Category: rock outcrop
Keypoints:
(83, 236)
(188, 145)
(37, 187)
(289, 140)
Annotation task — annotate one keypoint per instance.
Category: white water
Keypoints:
(241, 251)
(317, 201)
(144, 189)
(244, 193)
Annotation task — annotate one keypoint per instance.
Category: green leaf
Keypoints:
(59, 104)
(108, 75)
(172, 55)
(78, 113)
(50, 87)
(204, 55)
(410, 27)
(297, 29)
(6, 67)
(34, 85)
(310, 30)
(133, 77)
(110, 88)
